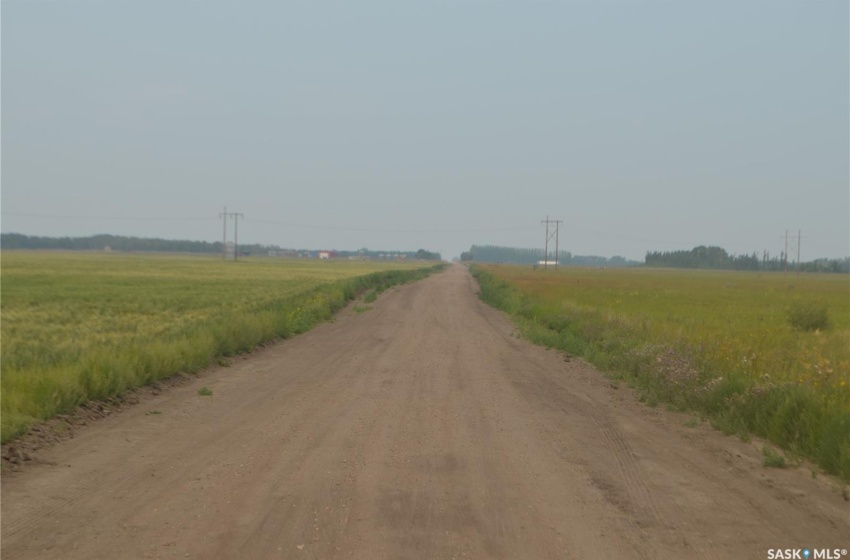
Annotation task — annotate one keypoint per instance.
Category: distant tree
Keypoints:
(512, 255)
(718, 258)
(424, 255)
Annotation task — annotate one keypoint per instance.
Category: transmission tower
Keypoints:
(549, 237)
(793, 247)
(235, 215)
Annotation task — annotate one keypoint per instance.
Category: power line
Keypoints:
(135, 218)
(271, 222)
(384, 230)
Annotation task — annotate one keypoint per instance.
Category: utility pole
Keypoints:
(556, 244)
(799, 237)
(785, 258)
(235, 216)
(224, 240)
(785, 254)
(549, 236)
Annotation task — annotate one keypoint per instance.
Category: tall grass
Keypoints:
(723, 344)
(77, 327)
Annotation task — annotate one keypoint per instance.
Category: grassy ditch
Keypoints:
(730, 347)
(78, 327)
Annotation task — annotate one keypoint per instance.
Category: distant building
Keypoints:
(324, 254)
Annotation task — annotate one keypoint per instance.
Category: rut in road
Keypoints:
(421, 428)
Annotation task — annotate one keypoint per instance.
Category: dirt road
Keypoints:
(421, 428)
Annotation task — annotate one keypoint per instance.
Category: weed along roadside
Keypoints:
(753, 354)
(78, 328)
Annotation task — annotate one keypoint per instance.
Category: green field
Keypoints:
(81, 326)
(765, 354)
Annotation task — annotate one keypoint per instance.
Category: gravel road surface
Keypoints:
(420, 428)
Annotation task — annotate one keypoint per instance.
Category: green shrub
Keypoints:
(773, 459)
(809, 316)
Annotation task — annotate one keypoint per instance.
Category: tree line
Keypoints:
(124, 243)
(114, 242)
(707, 257)
(513, 255)
(717, 258)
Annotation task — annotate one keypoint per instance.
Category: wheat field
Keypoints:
(80, 326)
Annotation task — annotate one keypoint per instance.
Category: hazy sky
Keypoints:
(436, 125)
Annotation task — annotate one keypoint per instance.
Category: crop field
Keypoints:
(79, 326)
(765, 354)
